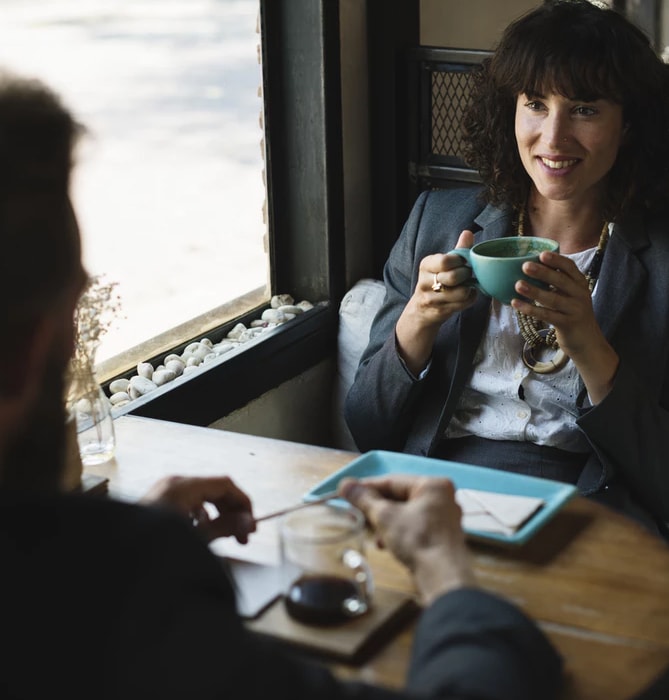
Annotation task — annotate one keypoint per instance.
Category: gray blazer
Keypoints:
(628, 432)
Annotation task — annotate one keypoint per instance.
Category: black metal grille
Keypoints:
(450, 95)
(440, 85)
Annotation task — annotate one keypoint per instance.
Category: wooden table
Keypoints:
(596, 582)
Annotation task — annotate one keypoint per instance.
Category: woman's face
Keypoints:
(567, 146)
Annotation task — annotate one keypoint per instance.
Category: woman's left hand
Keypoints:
(567, 305)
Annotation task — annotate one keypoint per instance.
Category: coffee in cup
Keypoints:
(497, 264)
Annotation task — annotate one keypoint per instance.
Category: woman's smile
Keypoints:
(558, 163)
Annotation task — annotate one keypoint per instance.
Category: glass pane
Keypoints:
(169, 186)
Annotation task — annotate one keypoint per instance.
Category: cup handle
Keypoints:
(465, 254)
(362, 575)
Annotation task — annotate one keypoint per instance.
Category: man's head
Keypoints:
(41, 277)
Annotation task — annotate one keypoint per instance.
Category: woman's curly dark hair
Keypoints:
(581, 51)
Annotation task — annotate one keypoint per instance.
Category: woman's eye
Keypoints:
(585, 111)
(534, 105)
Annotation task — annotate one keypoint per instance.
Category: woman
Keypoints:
(568, 126)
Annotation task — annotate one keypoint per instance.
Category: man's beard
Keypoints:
(34, 460)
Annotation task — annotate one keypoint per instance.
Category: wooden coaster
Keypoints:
(352, 641)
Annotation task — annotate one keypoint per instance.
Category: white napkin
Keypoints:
(495, 512)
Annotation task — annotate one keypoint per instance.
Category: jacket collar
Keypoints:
(622, 275)
(493, 221)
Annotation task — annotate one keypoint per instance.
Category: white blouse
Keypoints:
(491, 405)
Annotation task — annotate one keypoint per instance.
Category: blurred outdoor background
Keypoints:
(169, 185)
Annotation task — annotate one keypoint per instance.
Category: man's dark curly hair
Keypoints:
(581, 51)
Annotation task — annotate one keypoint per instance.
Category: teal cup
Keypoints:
(497, 264)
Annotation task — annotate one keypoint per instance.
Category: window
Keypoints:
(169, 184)
(300, 49)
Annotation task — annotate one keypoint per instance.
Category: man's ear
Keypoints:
(24, 361)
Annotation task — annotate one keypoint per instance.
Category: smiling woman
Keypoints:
(169, 185)
(568, 127)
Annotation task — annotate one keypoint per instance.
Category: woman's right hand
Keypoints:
(427, 309)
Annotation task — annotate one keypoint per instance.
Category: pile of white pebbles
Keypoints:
(203, 351)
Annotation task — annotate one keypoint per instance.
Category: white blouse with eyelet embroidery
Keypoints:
(491, 405)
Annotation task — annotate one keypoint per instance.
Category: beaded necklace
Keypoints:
(535, 334)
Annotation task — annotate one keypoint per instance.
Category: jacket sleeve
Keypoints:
(386, 403)
(629, 431)
(629, 428)
(475, 645)
(378, 405)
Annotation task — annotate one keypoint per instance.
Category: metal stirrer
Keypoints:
(283, 511)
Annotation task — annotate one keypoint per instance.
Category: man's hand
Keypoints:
(418, 520)
(190, 496)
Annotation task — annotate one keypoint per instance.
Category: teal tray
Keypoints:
(379, 463)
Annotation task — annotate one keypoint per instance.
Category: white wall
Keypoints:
(470, 24)
(298, 410)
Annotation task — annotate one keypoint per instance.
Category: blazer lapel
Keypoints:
(492, 223)
(621, 275)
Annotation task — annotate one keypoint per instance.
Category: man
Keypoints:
(110, 600)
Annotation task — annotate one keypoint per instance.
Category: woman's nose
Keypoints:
(557, 131)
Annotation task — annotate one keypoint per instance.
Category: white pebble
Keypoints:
(140, 386)
(291, 309)
(192, 347)
(207, 342)
(273, 316)
(305, 305)
(171, 357)
(119, 385)
(246, 335)
(192, 361)
(236, 331)
(145, 369)
(176, 365)
(119, 397)
(281, 300)
(163, 376)
(224, 347)
(189, 369)
(201, 353)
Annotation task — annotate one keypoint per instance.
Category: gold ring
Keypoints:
(437, 286)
